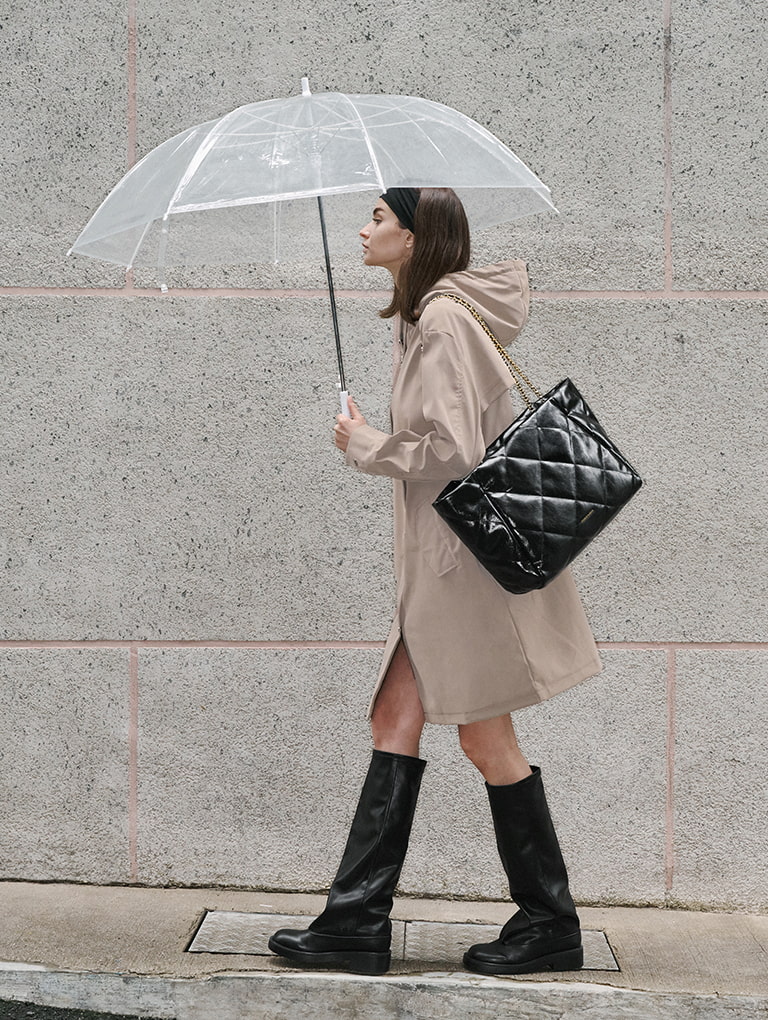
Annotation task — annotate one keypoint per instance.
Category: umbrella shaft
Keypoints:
(332, 294)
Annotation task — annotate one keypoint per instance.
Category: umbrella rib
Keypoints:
(404, 118)
(194, 165)
(285, 196)
(140, 242)
(368, 143)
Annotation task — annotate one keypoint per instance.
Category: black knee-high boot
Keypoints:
(354, 932)
(544, 934)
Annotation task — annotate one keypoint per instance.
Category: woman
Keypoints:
(461, 649)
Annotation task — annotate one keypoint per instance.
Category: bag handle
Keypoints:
(519, 377)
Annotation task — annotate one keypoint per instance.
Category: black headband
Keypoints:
(402, 202)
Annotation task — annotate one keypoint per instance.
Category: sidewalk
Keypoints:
(200, 954)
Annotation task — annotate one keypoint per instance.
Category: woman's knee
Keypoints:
(491, 745)
(398, 717)
(389, 727)
(474, 744)
(486, 739)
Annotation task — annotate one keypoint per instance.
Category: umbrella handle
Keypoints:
(344, 400)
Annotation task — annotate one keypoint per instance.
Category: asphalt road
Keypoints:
(30, 1011)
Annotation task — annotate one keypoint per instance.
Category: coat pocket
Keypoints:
(434, 540)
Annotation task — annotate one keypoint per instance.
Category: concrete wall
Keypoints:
(194, 591)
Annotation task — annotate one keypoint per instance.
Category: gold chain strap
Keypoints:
(517, 373)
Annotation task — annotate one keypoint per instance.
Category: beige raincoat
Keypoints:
(477, 651)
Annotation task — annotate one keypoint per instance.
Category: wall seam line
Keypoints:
(133, 762)
(669, 824)
(131, 107)
(667, 130)
(319, 645)
(250, 293)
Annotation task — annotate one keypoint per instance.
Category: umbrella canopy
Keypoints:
(234, 190)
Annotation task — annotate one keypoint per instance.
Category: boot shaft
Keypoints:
(361, 897)
(529, 849)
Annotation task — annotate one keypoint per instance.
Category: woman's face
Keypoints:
(385, 242)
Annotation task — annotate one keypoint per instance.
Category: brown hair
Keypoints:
(440, 246)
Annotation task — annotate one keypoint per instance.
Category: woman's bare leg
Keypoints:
(398, 717)
(491, 745)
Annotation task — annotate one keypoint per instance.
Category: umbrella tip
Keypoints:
(305, 87)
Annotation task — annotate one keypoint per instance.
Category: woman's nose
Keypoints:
(365, 232)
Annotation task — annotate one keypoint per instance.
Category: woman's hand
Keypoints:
(344, 426)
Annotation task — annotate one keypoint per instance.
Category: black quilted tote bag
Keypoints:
(545, 488)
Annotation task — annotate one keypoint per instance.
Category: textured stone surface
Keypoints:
(610, 822)
(169, 472)
(601, 747)
(64, 764)
(720, 783)
(677, 386)
(582, 132)
(594, 134)
(251, 764)
(719, 128)
(64, 136)
(261, 789)
(69, 138)
(167, 469)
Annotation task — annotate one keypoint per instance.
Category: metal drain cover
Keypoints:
(223, 931)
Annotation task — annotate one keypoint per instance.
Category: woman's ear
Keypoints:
(409, 240)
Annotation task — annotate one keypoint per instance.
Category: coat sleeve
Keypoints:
(452, 407)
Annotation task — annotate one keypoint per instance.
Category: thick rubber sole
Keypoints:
(351, 961)
(568, 959)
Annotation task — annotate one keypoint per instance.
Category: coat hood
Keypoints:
(500, 293)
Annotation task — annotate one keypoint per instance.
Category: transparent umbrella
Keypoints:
(235, 190)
